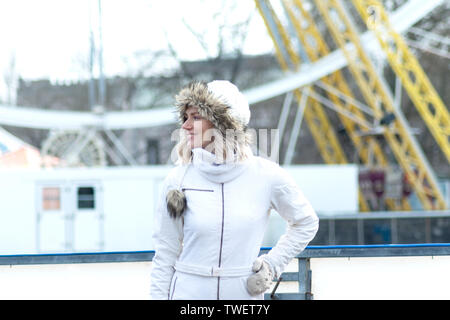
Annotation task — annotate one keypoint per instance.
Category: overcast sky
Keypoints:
(49, 38)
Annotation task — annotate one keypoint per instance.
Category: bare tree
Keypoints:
(230, 36)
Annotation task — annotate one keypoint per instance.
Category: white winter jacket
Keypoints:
(208, 254)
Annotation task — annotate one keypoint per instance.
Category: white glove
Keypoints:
(260, 281)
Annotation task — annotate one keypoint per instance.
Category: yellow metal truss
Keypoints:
(408, 69)
(316, 47)
(377, 96)
(317, 120)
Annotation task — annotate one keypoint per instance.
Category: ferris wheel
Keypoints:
(75, 148)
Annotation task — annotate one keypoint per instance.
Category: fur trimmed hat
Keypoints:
(219, 101)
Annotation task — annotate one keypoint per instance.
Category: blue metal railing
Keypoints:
(420, 249)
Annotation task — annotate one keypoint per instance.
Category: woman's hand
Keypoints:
(260, 281)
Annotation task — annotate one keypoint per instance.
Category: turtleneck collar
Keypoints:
(209, 166)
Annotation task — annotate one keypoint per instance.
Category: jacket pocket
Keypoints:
(195, 189)
(172, 291)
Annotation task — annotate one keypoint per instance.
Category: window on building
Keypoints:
(86, 198)
(51, 198)
(152, 151)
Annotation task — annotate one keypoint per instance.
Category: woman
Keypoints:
(215, 205)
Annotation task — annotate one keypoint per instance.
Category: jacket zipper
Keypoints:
(173, 288)
(221, 242)
(194, 189)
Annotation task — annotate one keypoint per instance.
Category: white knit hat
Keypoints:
(229, 94)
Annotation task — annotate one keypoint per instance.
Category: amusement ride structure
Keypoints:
(311, 67)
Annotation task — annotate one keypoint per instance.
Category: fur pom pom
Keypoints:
(176, 203)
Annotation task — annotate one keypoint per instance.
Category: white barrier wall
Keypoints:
(332, 279)
(124, 280)
(381, 278)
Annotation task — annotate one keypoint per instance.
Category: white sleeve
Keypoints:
(302, 221)
(168, 239)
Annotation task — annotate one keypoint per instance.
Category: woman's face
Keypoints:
(196, 127)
